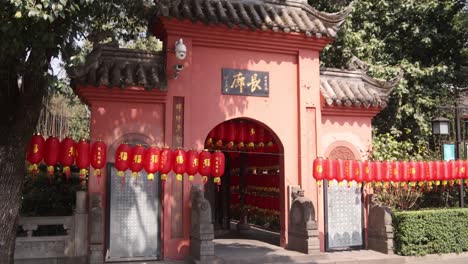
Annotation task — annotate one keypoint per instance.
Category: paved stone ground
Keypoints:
(261, 247)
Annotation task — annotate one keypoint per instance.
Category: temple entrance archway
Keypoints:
(249, 195)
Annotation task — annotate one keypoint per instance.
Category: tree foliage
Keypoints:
(426, 39)
(33, 33)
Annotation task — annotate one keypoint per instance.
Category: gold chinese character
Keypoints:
(178, 107)
(238, 82)
(195, 162)
(206, 163)
(254, 83)
(137, 159)
(154, 158)
(178, 127)
(35, 148)
(252, 131)
(71, 151)
(123, 155)
(178, 118)
(180, 160)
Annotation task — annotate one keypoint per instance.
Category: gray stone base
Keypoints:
(70, 260)
(96, 254)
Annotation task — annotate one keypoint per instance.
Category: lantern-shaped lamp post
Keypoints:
(440, 126)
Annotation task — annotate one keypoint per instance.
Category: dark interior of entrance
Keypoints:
(247, 203)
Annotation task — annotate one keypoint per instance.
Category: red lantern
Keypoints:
(349, 172)
(260, 138)
(445, 173)
(192, 164)
(426, 174)
(358, 172)
(230, 134)
(404, 174)
(151, 162)
(35, 153)
(340, 172)
(319, 170)
(330, 170)
(67, 155)
(82, 157)
(378, 173)
(165, 164)
(210, 140)
(251, 136)
(438, 171)
(204, 165)
(217, 166)
(122, 160)
(367, 171)
(136, 160)
(414, 170)
(221, 130)
(179, 163)
(98, 157)
(387, 172)
(241, 135)
(397, 169)
(51, 154)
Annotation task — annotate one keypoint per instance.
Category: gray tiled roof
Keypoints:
(355, 88)
(276, 15)
(116, 67)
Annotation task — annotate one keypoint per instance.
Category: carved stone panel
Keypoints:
(134, 216)
(344, 222)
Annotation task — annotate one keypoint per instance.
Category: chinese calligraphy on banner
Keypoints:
(244, 82)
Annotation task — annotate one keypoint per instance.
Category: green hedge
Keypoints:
(418, 233)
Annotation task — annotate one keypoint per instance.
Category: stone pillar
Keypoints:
(81, 225)
(303, 230)
(201, 228)
(380, 229)
(96, 243)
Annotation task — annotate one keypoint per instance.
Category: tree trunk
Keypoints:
(22, 112)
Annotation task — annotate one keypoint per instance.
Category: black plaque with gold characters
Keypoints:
(245, 82)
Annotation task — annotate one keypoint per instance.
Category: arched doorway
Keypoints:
(249, 196)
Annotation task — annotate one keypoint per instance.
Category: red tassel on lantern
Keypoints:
(192, 164)
(179, 162)
(204, 165)
(319, 170)
(82, 157)
(51, 155)
(165, 165)
(151, 162)
(35, 153)
(98, 158)
(122, 160)
(217, 167)
(67, 155)
(136, 160)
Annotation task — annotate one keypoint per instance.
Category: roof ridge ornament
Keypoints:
(357, 64)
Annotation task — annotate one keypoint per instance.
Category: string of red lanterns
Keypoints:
(396, 173)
